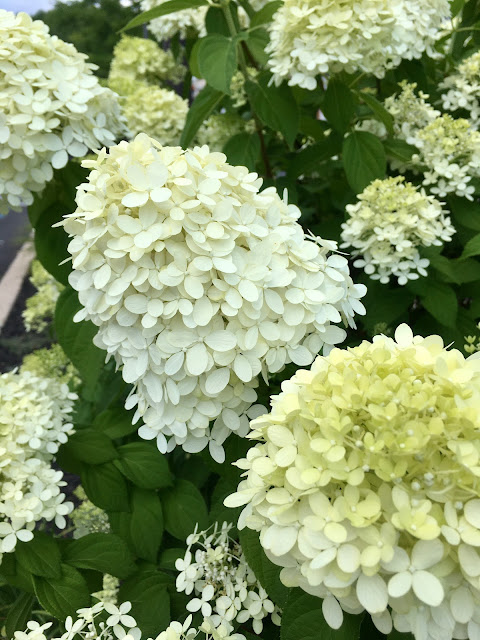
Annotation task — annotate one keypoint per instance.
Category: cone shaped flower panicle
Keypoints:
(365, 485)
(52, 106)
(199, 282)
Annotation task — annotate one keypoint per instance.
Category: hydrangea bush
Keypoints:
(228, 438)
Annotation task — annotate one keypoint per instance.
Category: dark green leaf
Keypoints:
(378, 109)
(115, 423)
(147, 591)
(466, 270)
(146, 525)
(339, 105)
(162, 10)
(91, 446)
(456, 6)
(61, 597)
(472, 248)
(106, 487)
(465, 212)
(363, 159)
(308, 160)
(265, 571)
(144, 465)
(201, 108)
(183, 508)
(266, 13)
(40, 556)
(19, 614)
(76, 338)
(441, 302)
(168, 558)
(302, 618)
(257, 42)
(243, 149)
(103, 552)
(215, 22)
(217, 61)
(399, 150)
(275, 106)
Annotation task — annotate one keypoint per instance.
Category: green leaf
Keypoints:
(275, 106)
(399, 150)
(243, 149)
(472, 248)
(302, 618)
(144, 465)
(363, 159)
(215, 22)
(19, 614)
(40, 556)
(456, 6)
(103, 552)
(265, 14)
(76, 338)
(265, 571)
(15, 574)
(217, 61)
(441, 302)
(115, 423)
(147, 591)
(201, 108)
(307, 161)
(183, 508)
(91, 446)
(61, 597)
(257, 42)
(339, 105)
(162, 10)
(106, 487)
(146, 525)
(465, 212)
(378, 109)
(466, 270)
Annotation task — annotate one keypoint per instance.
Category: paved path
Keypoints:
(14, 231)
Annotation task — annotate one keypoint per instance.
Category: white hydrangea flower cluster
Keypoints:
(389, 223)
(181, 22)
(225, 587)
(198, 283)
(217, 130)
(462, 89)
(327, 36)
(161, 113)
(34, 420)
(51, 106)
(141, 60)
(411, 111)
(449, 156)
(103, 621)
(51, 363)
(366, 489)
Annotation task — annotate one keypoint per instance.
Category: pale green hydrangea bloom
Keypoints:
(51, 363)
(365, 485)
(51, 107)
(87, 517)
(462, 89)
(411, 111)
(160, 113)
(217, 130)
(40, 308)
(390, 222)
(141, 60)
(324, 36)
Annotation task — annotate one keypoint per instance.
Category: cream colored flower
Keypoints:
(51, 107)
(390, 222)
(40, 307)
(199, 282)
(462, 89)
(365, 485)
(324, 36)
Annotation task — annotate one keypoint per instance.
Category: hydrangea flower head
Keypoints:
(389, 223)
(365, 485)
(51, 106)
(224, 585)
(411, 111)
(462, 89)
(324, 36)
(181, 22)
(40, 307)
(161, 113)
(217, 129)
(34, 421)
(142, 60)
(198, 283)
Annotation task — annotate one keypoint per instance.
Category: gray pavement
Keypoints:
(14, 231)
